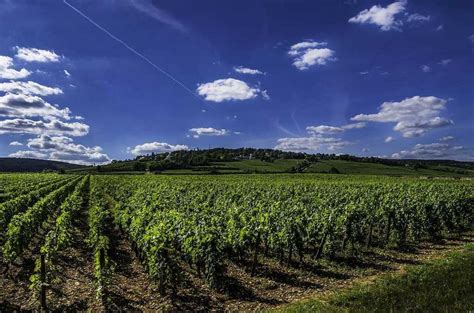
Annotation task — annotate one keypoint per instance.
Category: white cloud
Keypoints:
(249, 71)
(446, 138)
(36, 55)
(312, 143)
(389, 139)
(325, 129)
(23, 105)
(418, 18)
(445, 62)
(156, 147)
(228, 89)
(384, 17)
(365, 149)
(265, 95)
(471, 38)
(354, 126)
(440, 28)
(413, 116)
(28, 154)
(425, 68)
(317, 139)
(309, 53)
(7, 72)
(62, 148)
(53, 127)
(27, 113)
(302, 46)
(430, 151)
(364, 73)
(209, 131)
(66, 72)
(29, 88)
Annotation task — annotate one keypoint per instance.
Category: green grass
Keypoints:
(361, 168)
(445, 285)
(278, 166)
(283, 166)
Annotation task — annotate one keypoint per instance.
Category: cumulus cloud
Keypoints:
(62, 148)
(209, 131)
(25, 112)
(156, 147)
(413, 116)
(29, 88)
(325, 129)
(23, 105)
(312, 143)
(310, 53)
(8, 72)
(53, 127)
(425, 68)
(28, 154)
(389, 139)
(249, 71)
(36, 55)
(429, 151)
(229, 89)
(318, 138)
(384, 17)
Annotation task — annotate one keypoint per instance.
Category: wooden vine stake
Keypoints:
(43, 283)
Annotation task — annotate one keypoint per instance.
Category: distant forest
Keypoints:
(185, 159)
(34, 165)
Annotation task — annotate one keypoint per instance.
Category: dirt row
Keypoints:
(131, 289)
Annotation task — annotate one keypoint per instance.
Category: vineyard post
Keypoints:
(321, 245)
(255, 255)
(369, 237)
(387, 231)
(102, 269)
(43, 283)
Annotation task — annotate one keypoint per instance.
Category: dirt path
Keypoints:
(75, 290)
(130, 287)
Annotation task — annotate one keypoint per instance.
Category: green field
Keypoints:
(289, 166)
(224, 242)
(360, 168)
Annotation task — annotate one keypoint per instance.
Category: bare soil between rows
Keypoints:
(131, 289)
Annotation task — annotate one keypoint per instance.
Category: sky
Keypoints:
(88, 81)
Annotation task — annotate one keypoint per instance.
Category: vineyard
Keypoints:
(213, 242)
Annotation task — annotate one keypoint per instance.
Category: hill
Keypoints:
(34, 165)
(250, 160)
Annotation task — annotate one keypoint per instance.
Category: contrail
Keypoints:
(123, 43)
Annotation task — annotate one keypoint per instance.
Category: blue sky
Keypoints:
(83, 81)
